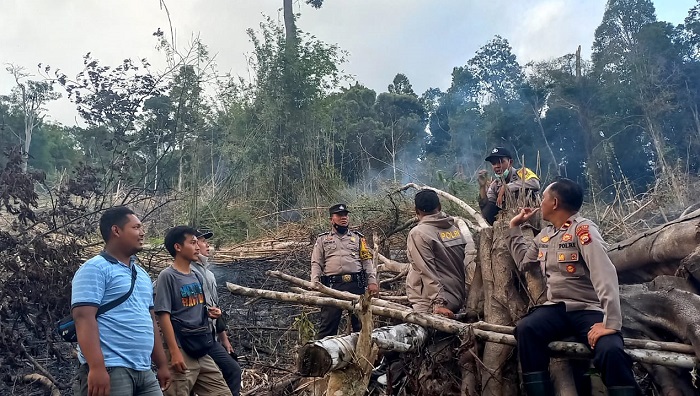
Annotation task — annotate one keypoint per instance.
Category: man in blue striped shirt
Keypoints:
(116, 348)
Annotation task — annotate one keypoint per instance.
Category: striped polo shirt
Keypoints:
(126, 331)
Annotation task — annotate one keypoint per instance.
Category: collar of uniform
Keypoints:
(335, 232)
(434, 216)
(110, 259)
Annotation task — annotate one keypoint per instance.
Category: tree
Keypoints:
(497, 71)
(401, 85)
(29, 98)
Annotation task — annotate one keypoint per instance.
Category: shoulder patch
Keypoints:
(582, 229)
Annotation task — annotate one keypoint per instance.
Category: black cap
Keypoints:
(338, 208)
(204, 234)
(498, 152)
(427, 200)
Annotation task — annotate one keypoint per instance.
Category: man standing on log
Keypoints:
(492, 199)
(342, 261)
(436, 278)
(582, 292)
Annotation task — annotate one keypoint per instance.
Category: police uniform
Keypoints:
(436, 276)
(342, 262)
(523, 178)
(582, 289)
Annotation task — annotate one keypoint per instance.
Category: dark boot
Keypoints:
(622, 391)
(538, 384)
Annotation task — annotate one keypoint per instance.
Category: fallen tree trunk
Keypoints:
(454, 327)
(317, 358)
(658, 251)
(353, 379)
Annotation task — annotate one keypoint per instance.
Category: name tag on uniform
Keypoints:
(448, 235)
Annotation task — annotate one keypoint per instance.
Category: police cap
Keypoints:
(206, 234)
(338, 208)
(499, 152)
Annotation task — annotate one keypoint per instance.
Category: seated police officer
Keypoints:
(342, 261)
(583, 297)
(492, 194)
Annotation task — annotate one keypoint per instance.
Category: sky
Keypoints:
(424, 39)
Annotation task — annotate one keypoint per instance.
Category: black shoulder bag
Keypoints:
(195, 340)
(66, 326)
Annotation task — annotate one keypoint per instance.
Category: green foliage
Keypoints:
(306, 330)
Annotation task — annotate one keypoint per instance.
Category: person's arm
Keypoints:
(163, 307)
(89, 341)
(88, 288)
(522, 250)
(177, 361)
(225, 342)
(603, 273)
(158, 356)
(317, 261)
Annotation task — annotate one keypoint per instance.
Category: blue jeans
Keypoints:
(122, 382)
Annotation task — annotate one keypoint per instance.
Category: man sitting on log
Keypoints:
(492, 199)
(436, 278)
(582, 292)
(342, 261)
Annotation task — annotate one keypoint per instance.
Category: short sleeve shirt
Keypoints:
(181, 295)
(126, 331)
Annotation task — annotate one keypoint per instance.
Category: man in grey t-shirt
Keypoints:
(180, 298)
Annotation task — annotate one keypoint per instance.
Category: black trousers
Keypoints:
(551, 323)
(330, 316)
(229, 367)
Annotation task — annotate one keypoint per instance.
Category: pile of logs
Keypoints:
(659, 272)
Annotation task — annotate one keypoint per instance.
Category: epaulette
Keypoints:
(358, 233)
(324, 233)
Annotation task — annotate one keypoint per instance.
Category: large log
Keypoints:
(317, 358)
(658, 251)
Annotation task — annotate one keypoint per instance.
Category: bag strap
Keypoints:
(104, 308)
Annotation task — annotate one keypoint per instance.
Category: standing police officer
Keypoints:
(342, 261)
(583, 297)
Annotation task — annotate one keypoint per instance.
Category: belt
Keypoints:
(340, 278)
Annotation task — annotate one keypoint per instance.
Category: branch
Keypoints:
(664, 358)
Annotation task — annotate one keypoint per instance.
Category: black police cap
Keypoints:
(338, 208)
(206, 234)
(499, 152)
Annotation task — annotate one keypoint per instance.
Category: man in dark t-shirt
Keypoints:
(180, 300)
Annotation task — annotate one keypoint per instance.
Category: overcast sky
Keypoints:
(423, 39)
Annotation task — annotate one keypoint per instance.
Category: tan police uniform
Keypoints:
(522, 178)
(336, 254)
(342, 262)
(576, 266)
(437, 272)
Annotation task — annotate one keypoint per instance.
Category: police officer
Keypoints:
(342, 261)
(436, 278)
(582, 292)
(491, 199)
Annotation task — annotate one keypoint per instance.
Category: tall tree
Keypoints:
(29, 98)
